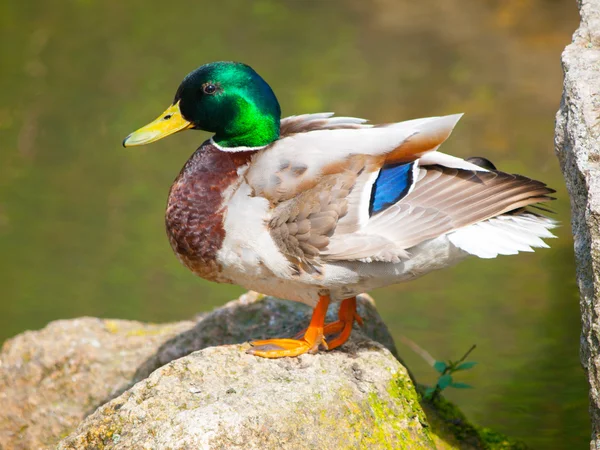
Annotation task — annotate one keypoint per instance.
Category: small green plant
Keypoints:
(446, 371)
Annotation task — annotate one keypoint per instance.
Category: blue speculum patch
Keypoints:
(392, 183)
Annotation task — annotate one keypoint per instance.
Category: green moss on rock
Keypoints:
(452, 426)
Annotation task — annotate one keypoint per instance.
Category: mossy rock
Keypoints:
(222, 398)
(191, 385)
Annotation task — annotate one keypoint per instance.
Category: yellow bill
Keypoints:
(169, 122)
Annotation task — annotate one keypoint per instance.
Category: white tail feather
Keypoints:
(504, 235)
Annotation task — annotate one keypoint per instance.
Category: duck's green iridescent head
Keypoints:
(227, 98)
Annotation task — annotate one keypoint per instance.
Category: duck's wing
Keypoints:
(435, 200)
(372, 193)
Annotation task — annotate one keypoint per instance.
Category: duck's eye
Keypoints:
(209, 88)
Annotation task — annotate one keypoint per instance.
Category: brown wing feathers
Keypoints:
(443, 199)
(446, 199)
(498, 192)
(301, 227)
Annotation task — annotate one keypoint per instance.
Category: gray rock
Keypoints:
(223, 398)
(148, 386)
(52, 378)
(578, 149)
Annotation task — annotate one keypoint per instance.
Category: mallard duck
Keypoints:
(318, 209)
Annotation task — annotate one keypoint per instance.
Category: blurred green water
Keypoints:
(81, 218)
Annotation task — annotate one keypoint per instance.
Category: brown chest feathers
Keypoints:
(195, 210)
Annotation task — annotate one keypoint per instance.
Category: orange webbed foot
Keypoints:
(279, 348)
(309, 342)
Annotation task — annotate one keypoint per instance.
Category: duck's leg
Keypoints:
(346, 317)
(310, 342)
(347, 314)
